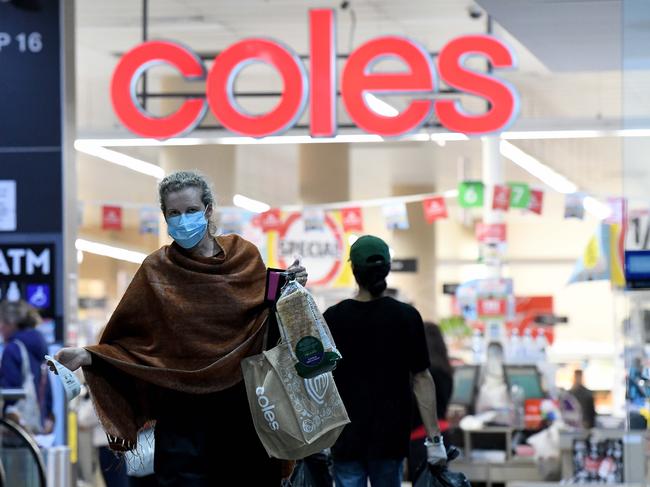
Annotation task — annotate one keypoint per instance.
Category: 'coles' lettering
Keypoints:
(320, 87)
(267, 408)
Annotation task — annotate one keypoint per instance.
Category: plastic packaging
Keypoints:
(305, 331)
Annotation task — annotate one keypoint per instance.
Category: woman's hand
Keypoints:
(300, 272)
(72, 358)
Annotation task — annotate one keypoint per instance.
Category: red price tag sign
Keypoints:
(491, 233)
(492, 307)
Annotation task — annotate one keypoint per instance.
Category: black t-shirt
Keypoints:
(382, 343)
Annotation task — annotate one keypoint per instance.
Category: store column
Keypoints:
(416, 244)
(324, 173)
(493, 170)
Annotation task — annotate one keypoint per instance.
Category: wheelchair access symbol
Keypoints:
(38, 295)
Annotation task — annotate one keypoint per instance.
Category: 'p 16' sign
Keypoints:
(31, 42)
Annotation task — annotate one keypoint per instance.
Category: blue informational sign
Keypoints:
(31, 150)
(38, 295)
(30, 78)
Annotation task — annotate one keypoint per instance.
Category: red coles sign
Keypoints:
(319, 88)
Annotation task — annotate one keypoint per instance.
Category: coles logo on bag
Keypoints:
(318, 89)
(267, 408)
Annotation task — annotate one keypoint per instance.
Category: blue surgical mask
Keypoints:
(187, 229)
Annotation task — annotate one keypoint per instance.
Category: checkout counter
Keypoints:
(489, 453)
(497, 454)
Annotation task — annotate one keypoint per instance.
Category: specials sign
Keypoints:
(322, 250)
(318, 88)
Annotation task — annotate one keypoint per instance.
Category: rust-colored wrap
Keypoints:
(184, 323)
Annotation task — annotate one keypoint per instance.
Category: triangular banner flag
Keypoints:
(111, 218)
(536, 202)
(271, 220)
(352, 219)
(501, 197)
(434, 208)
(573, 206)
(470, 194)
(396, 216)
(519, 195)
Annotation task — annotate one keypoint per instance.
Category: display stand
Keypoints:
(635, 468)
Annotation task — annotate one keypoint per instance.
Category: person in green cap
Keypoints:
(384, 351)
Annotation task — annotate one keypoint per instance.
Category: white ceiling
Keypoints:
(566, 35)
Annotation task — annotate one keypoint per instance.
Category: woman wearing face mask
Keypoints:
(172, 349)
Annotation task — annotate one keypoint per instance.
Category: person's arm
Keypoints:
(425, 395)
(424, 389)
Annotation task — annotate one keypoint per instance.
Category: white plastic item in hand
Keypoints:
(70, 383)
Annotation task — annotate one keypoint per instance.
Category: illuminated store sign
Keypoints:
(318, 88)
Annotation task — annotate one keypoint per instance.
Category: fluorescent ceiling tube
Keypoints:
(541, 171)
(120, 159)
(250, 204)
(379, 106)
(109, 251)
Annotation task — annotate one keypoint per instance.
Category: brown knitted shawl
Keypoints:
(184, 323)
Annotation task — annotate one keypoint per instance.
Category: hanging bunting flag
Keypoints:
(573, 207)
(271, 220)
(501, 197)
(231, 222)
(434, 208)
(111, 218)
(352, 219)
(470, 194)
(536, 202)
(519, 195)
(396, 216)
(149, 220)
(313, 218)
(619, 210)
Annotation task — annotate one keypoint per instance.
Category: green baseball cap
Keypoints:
(368, 249)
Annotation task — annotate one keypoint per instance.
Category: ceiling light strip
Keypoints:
(111, 251)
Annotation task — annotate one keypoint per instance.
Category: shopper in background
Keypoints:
(443, 378)
(23, 366)
(586, 399)
(172, 349)
(383, 345)
(113, 468)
